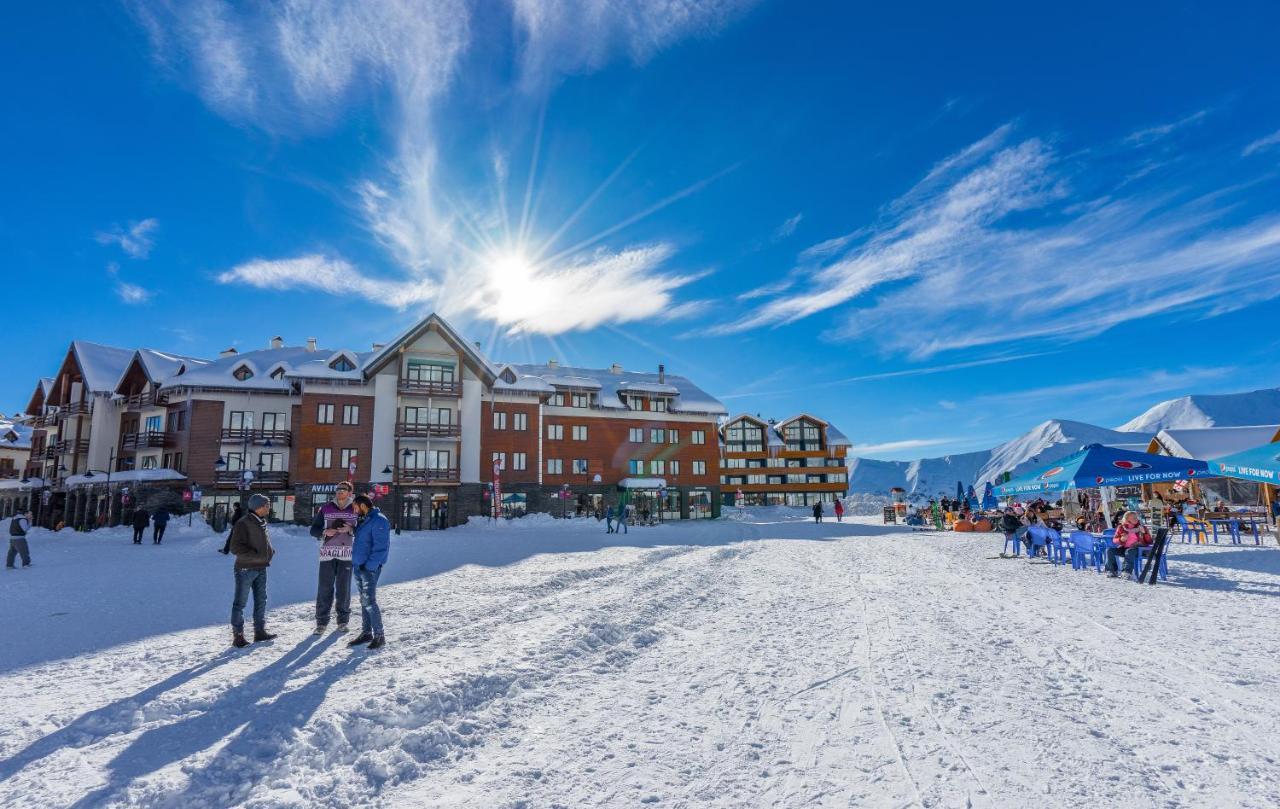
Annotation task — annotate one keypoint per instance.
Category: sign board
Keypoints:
(196, 495)
(186, 495)
(890, 515)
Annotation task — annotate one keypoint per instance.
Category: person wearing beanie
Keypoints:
(251, 545)
(369, 553)
(335, 526)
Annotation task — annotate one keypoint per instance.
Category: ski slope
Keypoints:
(753, 661)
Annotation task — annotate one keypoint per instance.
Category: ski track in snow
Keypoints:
(729, 664)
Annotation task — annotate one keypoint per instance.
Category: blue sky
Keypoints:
(935, 228)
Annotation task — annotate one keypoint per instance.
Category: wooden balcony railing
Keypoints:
(421, 387)
(142, 440)
(261, 480)
(449, 475)
(234, 435)
(73, 409)
(418, 430)
(145, 400)
(72, 447)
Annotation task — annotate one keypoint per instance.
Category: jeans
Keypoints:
(246, 580)
(157, 532)
(137, 535)
(608, 521)
(18, 547)
(370, 612)
(1113, 556)
(335, 579)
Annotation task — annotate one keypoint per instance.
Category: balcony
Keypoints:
(146, 400)
(428, 476)
(45, 420)
(235, 435)
(422, 387)
(73, 409)
(261, 480)
(419, 430)
(130, 442)
(72, 447)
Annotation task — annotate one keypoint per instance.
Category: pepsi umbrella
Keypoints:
(959, 490)
(989, 498)
(1260, 463)
(1096, 465)
(972, 495)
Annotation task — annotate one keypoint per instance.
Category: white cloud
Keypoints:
(1069, 267)
(135, 240)
(947, 404)
(787, 228)
(127, 292)
(1262, 143)
(1154, 133)
(335, 276)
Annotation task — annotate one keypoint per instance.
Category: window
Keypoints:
(324, 414)
(519, 421)
(581, 400)
(555, 466)
(350, 414)
(657, 467)
(699, 467)
(658, 436)
(177, 421)
(270, 461)
(698, 436)
(734, 463)
(239, 420)
(415, 459)
(149, 462)
(235, 461)
(273, 421)
(673, 436)
(443, 415)
(347, 456)
(556, 400)
(579, 432)
(324, 458)
(343, 364)
(555, 432)
(674, 467)
(636, 435)
(658, 405)
(439, 459)
(499, 419)
(635, 403)
(519, 461)
(416, 415)
(278, 373)
(439, 372)
(241, 373)
(500, 458)
(579, 466)
(153, 424)
(635, 467)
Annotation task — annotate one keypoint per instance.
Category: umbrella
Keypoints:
(989, 498)
(959, 490)
(1096, 465)
(1260, 463)
(971, 494)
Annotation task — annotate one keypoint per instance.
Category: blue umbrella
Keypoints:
(1096, 465)
(989, 498)
(1260, 463)
(959, 490)
(972, 495)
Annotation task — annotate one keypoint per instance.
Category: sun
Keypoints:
(517, 287)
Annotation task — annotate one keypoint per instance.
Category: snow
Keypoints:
(1211, 443)
(760, 661)
(102, 366)
(131, 476)
(689, 397)
(1223, 410)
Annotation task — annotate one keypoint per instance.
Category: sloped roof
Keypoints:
(101, 365)
(486, 370)
(219, 373)
(158, 365)
(20, 433)
(1210, 443)
(689, 398)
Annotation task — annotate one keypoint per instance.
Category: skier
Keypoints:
(236, 514)
(159, 520)
(18, 528)
(140, 521)
(1130, 535)
(839, 509)
(817, 512)
(369, 551)
(251, 544)
(334, 525)
(608, 519)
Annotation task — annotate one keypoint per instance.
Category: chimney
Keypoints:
(228, 352)
(662, 374)
(311, 344)
(277, 342)
(379, 346)
(553, 364)
(615, 368)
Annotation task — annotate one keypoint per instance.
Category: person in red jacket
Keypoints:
(1130, 535)
(839, 509)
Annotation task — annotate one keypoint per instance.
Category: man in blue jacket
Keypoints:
(369, 550)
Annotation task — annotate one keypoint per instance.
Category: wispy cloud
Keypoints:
(136, 239)
(321, 273)
(292, 67)
(787, 228)
(1002, 217)
(1153, 133)
(1262, 143)
(125, 291)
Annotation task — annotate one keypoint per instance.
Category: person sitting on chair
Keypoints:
(1130, 535)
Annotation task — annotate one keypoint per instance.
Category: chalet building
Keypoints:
(15, 451)
(797, 462)
(426, 422)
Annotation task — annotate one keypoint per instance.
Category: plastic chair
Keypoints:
(1143, 552)
(1197, 530)
(1084, 551)
(1017, 544)
(1059, 548)
(1038, 535)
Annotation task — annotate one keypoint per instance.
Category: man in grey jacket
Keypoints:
(252, 548)
(18, 528)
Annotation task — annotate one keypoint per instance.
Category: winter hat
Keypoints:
(257, 501)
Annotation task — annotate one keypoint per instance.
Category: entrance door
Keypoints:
(411, 512)
(439, 512)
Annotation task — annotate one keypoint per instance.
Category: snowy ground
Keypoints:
(750, 662)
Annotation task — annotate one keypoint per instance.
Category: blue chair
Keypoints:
(1039, 536)
(1197, 531)
(1085, 551)
(1059, 548)
(1017, 544)
(1143, 552)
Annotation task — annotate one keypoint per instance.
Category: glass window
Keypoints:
(581, 400)
(658, 405)
(520, 421)
(657, 467)
(500, 457)
(673, 436)
(635, 403)
(342, 364)
(238, 420)
(153, 424)
(636, 435)
(555, 432)
(419, 369)
(698, 436)
(273, 421)
(579, 466)
(324, 414)
(415, 459)
(149, 462)
(439, 459)
(351, 414)
(519, 461)
(235, 461)
(674, 467)
(579, 432)
(241, 373)
(699, 467)
(555, 466)
(499, 419)
(324, 458)
(658, 436)
(347, 456)
(556, 400)
(271, 461)
(635, 467)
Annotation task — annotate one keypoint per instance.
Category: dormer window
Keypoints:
(342, 364)
(278, 373)
(242, 373)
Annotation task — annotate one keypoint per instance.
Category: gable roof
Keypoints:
(1211, 443)
(40, 395)
(100, 366)
(687, 397)
(471, 355)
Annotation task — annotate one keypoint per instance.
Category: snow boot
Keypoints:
(262, 634)
(378, 642)
(363, 637)
(238, 640)
(319, 630)
(342, 627)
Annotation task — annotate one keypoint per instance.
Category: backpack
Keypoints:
(16, 530)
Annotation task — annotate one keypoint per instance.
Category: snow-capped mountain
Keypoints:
(1198, 411)
(1042, 444)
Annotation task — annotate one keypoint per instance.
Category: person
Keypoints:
(1009, 526)
(624, 517)
(1275, 511)
(158, 522)
(334, 525)
(817, 511)
(19, 526)
(251, 545)
(1130, 535)
(608, 520)
(236, 514)
(369, 550)
(839, 509)
(945, 503)
(140, 521)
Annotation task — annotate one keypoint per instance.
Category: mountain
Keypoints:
(1197, 411)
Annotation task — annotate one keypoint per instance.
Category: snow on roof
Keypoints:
(16, 483)
(642, 483)
(384, 354)
(159, 365)
(835, 438)
(220, 373)
(101, 365)
(132, 476)
(1210, 443)
(20, 433)
(773, 431)
(689, 398)
(46, 384)
(322, 367)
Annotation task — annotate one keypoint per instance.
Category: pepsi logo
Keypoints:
(1051, 472)
(1130, 465)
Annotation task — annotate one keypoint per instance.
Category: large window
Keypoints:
(579, 432)
(154, 424)
(657, 467)
(149, 462)
(698, 436)
(555, 432)
(324, 414)
(673, 436)
(555, 466)
(520, 421)
(235, 461)
(743, 436)
(419, 369)
(500, 458)
(273, 421)
(658, 436)
(519, 461)
(579, 466)
(674, 467)
(582, 400)
(556, 400)
(636, 435)
(342, 364)
(658, 405)
(177, 421)
(270, 461)
(635, 403)
(350, 414)
(499, 419)
(347, 456)
(635, 467)
(324, 458)
(699, 467)
(802, 434)
(239, 420)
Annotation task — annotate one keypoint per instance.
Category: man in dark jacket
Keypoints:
(370, 549)
(140, 520)
(236, 514)
(252, 547)
(158, 522)
(817, 511)
(18, 528)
